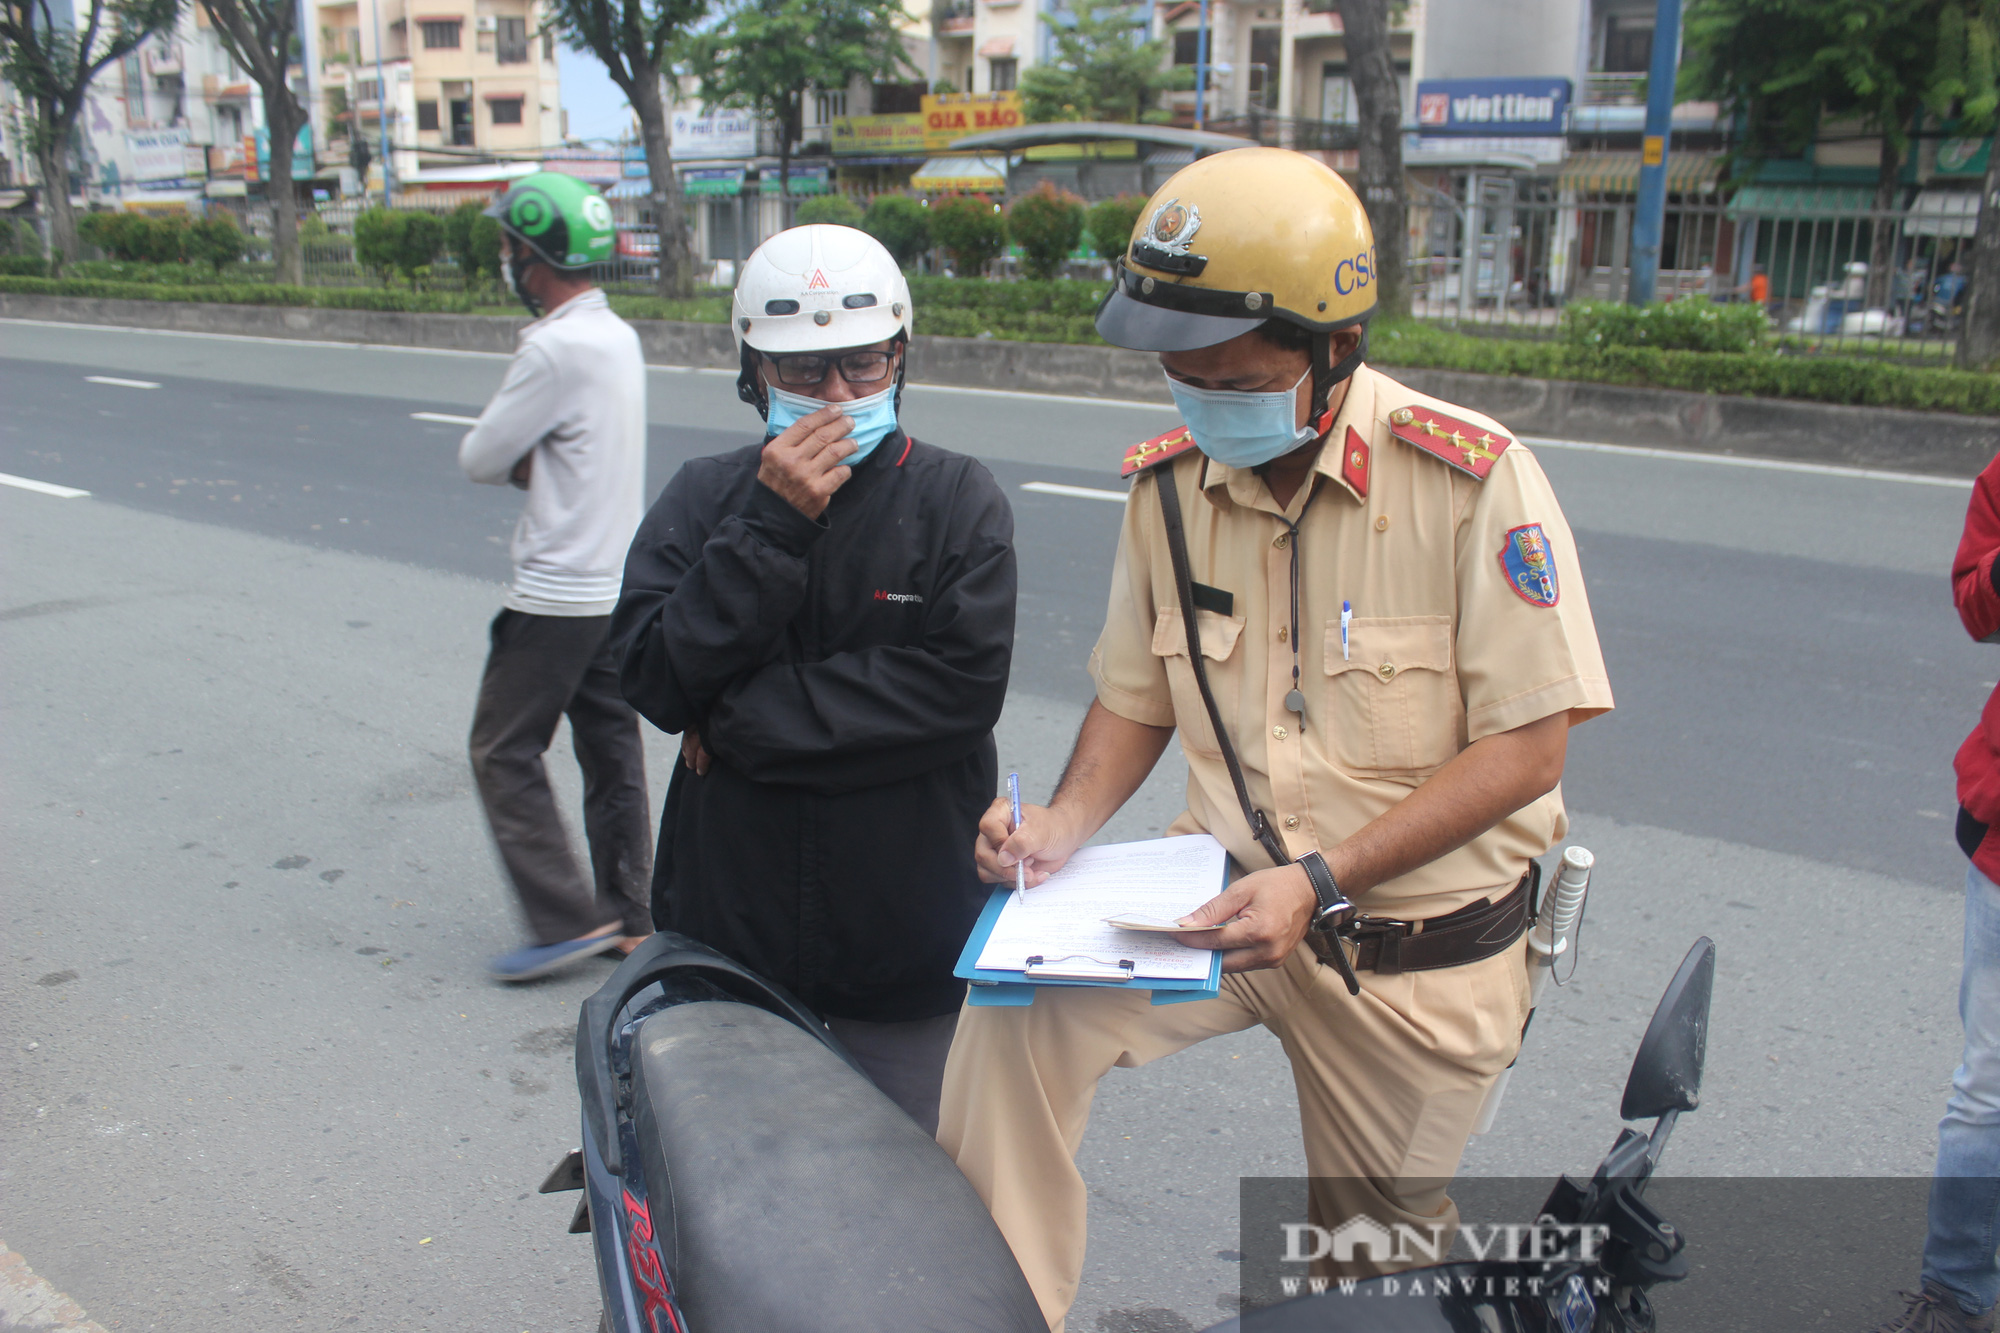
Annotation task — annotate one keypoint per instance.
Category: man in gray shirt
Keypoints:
(569, 427)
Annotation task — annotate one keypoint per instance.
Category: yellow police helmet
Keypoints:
(1236, 239)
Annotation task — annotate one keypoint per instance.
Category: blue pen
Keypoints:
(1020, 867)
(1346, 614)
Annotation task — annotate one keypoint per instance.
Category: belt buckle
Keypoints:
(1391, 933)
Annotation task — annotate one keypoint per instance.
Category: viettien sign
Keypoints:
(1488, 107)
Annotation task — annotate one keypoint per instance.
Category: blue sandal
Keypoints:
(538, 960)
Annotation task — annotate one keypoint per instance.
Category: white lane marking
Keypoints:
(254, 338)
(44, 487)
(1078, 492)
(123, 384)
(445, 417)
(1764, 464)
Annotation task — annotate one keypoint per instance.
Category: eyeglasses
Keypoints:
(804, 371)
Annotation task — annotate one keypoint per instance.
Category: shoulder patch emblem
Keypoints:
(1471, 449)
(1156, 450)
(1530, 566)
(1354, 463)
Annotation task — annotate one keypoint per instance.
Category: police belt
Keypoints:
(1471, 933)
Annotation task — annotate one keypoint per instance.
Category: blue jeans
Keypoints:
(1965, 1192)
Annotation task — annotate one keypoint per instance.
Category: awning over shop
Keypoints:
(997, 48)
(1943, 213)
(1800, 201)
(496, 175)
(960, 173)
(1618, 173)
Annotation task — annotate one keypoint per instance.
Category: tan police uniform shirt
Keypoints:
(1442, 647)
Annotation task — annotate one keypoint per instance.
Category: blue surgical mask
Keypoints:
(874, 417)
(1242, 429)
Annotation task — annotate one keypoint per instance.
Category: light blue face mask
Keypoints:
(874, 417)
(1242, 429)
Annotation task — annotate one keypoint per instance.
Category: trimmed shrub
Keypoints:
(473, 240)
(902, 224)
(1691, 324)
(971, 230)
(400, 240)
(136, 238)
(23, 266)
(1110, 225)
(1046, 223)
(835, 208)
(215, 241)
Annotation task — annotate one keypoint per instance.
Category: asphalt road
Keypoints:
(252, 1076)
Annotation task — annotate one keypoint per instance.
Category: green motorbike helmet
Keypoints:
(564, 221)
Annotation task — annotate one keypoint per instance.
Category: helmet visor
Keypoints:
(1125, 321)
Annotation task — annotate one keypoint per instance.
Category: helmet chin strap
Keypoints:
(1326, 376)
(518, 265)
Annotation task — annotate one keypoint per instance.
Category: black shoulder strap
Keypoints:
(1170, 513)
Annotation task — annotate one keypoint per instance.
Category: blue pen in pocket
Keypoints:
(1020, 867)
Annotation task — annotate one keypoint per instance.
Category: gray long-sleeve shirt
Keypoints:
(574, 397)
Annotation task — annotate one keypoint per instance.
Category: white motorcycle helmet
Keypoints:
(816, 288)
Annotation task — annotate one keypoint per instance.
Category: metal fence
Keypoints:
(1828, 276)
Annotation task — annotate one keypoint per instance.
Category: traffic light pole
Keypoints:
(1650, 223)
(1201, 68)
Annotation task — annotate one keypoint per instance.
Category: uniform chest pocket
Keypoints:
(1218, 649)
(1393, 704)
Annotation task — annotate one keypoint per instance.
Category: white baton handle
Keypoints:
(1552, 935)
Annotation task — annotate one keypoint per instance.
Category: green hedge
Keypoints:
(1059, 311)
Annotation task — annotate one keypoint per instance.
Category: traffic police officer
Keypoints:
(1391, 641)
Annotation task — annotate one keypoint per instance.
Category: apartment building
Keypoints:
(465, 79)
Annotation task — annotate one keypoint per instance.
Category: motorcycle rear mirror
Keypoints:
(1666, 1073)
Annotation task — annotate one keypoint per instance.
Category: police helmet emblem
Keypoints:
(1173, 225)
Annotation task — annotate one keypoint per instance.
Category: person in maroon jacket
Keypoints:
(1961, 1279)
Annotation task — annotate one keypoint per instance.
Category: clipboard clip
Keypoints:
(1078, 967)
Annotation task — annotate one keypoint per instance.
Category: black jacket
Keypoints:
(845, 674)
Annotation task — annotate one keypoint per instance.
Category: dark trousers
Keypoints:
(540, 668)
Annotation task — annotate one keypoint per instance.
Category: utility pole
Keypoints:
(389, 167)
(1201, 68)
(1650, 221)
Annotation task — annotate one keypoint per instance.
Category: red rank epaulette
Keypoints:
(1354, 463)
(1471, 449)
(1156, 450)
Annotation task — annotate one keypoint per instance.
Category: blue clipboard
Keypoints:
(1011, 987)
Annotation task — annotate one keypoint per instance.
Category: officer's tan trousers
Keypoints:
(1389, 1085)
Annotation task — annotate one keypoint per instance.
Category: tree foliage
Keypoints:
(767, 55)
(902, 224)
(1104, 69)
(134, 238)
(636, 40)
(971, 230)
(1046, 223)
(50, 51)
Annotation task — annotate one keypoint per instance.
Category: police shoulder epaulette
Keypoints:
(1471, 449)
(1156, 450)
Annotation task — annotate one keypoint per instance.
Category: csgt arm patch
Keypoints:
(1530, 566)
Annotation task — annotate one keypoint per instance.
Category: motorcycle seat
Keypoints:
(790, 1195)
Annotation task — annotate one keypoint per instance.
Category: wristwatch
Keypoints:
(1334, 911)
(1333, 914)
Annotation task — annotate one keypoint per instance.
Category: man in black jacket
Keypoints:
(827, 619)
